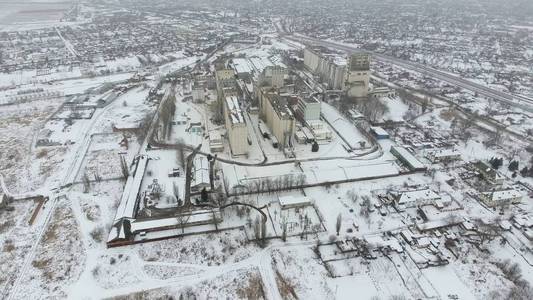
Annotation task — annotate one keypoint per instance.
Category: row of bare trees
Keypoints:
(275, 184)
(373, 109)
(166, 113)
(260, 230)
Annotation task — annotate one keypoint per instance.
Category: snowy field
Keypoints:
(350, 239)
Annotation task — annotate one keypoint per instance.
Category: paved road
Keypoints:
(517, 101)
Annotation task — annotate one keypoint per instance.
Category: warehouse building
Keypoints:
(408, 159)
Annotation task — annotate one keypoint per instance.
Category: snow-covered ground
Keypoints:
(63, 253)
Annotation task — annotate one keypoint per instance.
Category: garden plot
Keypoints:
(128, 111)
(15, 241)
(386, 279)
(204, 249)
(298, 220)
(112, 271)
(49, 161)
(347, 287)
(103, 158)
(244, 283)
(59, 260)
(482, 278)
(65, 131)
(347, 267)
(69, 112)
(164, 272)
(446, 282)
(100, 204)
(19, 126)
(101, 165)
(300, 275)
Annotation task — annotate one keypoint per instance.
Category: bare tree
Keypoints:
(263, 231)
(180, 153)
(284, 229)
(487, 231)
(257, 228)
(86, 183)
(124, 167)
(338, 224)
(366, 207)
(144, 127)
(214, 219)
(183, 220)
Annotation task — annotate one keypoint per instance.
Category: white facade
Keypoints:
(309, 109)
(501, 197)
(357, 77)
(273, 76)
(416, 198)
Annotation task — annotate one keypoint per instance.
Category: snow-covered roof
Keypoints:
(214, 136)
(379, 241)
(503, 195)
(234, 110)
(407, 156)
(241, 65)
(201, 171)
(200, 162)
(294, 201)
(379, 131)
(260, 63)
(202, 216)
(418, 195)
(128, 202)
(439, 153)
(438, 224)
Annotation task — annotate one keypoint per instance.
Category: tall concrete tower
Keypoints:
(357, 75)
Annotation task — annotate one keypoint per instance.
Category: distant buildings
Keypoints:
(352, 76)
(330, 68)
(381, 92)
